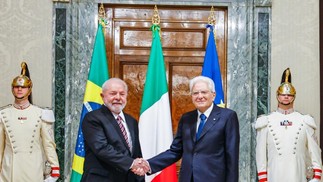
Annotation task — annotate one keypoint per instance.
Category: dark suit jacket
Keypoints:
(107, 156)
(213, 157)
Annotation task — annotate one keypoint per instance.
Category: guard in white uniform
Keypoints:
(26, 137)
(287, 149)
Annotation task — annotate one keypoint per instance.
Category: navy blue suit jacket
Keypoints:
(107, 156)
(213, 157)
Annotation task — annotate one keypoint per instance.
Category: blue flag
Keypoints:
(211, 68)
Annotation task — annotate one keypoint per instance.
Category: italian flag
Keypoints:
(155, 122)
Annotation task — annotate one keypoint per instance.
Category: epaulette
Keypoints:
(47, 115)
(261, 122)
(3, 107)
(42, 107)
(309, 120)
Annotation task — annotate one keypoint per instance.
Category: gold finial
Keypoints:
(23, 68)
(102, 14)
(211, 18)
(156, 18)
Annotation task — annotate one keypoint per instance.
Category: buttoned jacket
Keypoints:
(286, 147)
(213, 157)
(26, 142)
(107, 155)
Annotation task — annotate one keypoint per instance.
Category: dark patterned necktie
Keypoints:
(201, 125)
(123, 130)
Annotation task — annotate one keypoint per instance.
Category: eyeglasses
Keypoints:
(203, 93)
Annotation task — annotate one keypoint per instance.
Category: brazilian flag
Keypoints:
(98, 74)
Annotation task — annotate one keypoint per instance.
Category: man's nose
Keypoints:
(117, 96)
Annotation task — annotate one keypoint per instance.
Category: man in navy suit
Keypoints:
(209, 153)
(111, 138)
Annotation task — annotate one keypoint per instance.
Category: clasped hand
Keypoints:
(140, 167)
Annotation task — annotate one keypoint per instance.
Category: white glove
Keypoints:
(51, 179)
(314, 180)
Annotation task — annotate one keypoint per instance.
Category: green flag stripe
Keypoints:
(98, 54)
(75, 176)
(156, 82)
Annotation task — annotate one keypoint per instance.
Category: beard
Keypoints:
(116, 108)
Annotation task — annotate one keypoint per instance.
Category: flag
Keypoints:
(98, 74)
(155, 124)
(211, 68)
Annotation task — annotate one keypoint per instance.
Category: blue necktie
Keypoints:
(201, 125)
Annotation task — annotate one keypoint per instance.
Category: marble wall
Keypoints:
(26, 35)
(248, 65)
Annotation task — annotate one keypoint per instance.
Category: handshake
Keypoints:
(140, 167)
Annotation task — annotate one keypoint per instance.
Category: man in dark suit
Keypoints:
(111, 138)
(209, 153)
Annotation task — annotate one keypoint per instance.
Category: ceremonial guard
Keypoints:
(287, 150)
(26, 137)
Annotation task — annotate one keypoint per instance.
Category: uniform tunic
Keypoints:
(284, 144)
(25, 137)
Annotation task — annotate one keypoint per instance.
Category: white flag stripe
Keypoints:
(155, 128)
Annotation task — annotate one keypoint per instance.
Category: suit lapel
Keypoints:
(193, 122)
(211, 120)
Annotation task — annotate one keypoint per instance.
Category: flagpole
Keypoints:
(211, 19)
